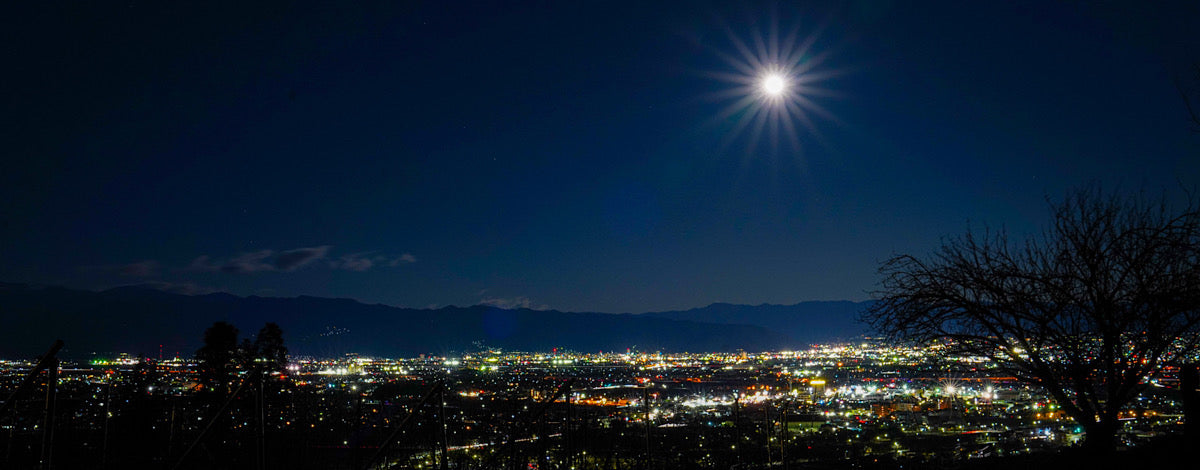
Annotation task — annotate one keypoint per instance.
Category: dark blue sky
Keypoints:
(571, 155)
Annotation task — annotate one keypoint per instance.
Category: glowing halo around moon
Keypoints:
(775, 81)
(774, 85)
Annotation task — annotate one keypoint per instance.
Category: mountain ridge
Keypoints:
(142, 319)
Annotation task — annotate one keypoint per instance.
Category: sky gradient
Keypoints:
(584, 156)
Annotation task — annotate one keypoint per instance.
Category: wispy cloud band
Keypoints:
(294, 259)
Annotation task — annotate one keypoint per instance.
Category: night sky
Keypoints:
(587, 156)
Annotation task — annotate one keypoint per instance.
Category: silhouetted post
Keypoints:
(583, 433)
(767, 429)
(107, 415)
(543, 440)
(387, 442)
(48, 430)
(783, 432)
(208, 427)
(646, 407)
(170, 430)
(567, 434)
(358, 422)
(30, 377)
(262, 423)
(442, 419)
(737, 427)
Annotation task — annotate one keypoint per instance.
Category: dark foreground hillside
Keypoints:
(1160, 453)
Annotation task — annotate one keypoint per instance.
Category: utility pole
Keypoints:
(387, 442)
(358, 423)
(646, 407)
(442, 419)
(262, 423)
(737, 426)
(170, 430)
(107, 414)
(51, 398)
(783, 431)
(567, 434)
(767, 429)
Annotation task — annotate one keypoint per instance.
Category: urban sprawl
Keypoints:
(845, 405)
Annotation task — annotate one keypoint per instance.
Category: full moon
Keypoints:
(775, 82)
(774, 85)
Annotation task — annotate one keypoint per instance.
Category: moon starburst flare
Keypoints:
(774, 81)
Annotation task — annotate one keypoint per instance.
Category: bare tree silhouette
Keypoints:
(1103, 299)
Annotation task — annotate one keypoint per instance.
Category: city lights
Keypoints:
(848, 396)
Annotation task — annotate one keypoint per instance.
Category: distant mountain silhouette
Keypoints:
(139, 319)
(803, 323)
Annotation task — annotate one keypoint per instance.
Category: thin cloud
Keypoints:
(511, 303)
(352, 263)
(144, 268)
(292, 260)
(201, 263)
(364, 261)
(261, 261)
(295, 259)
(249, 262)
